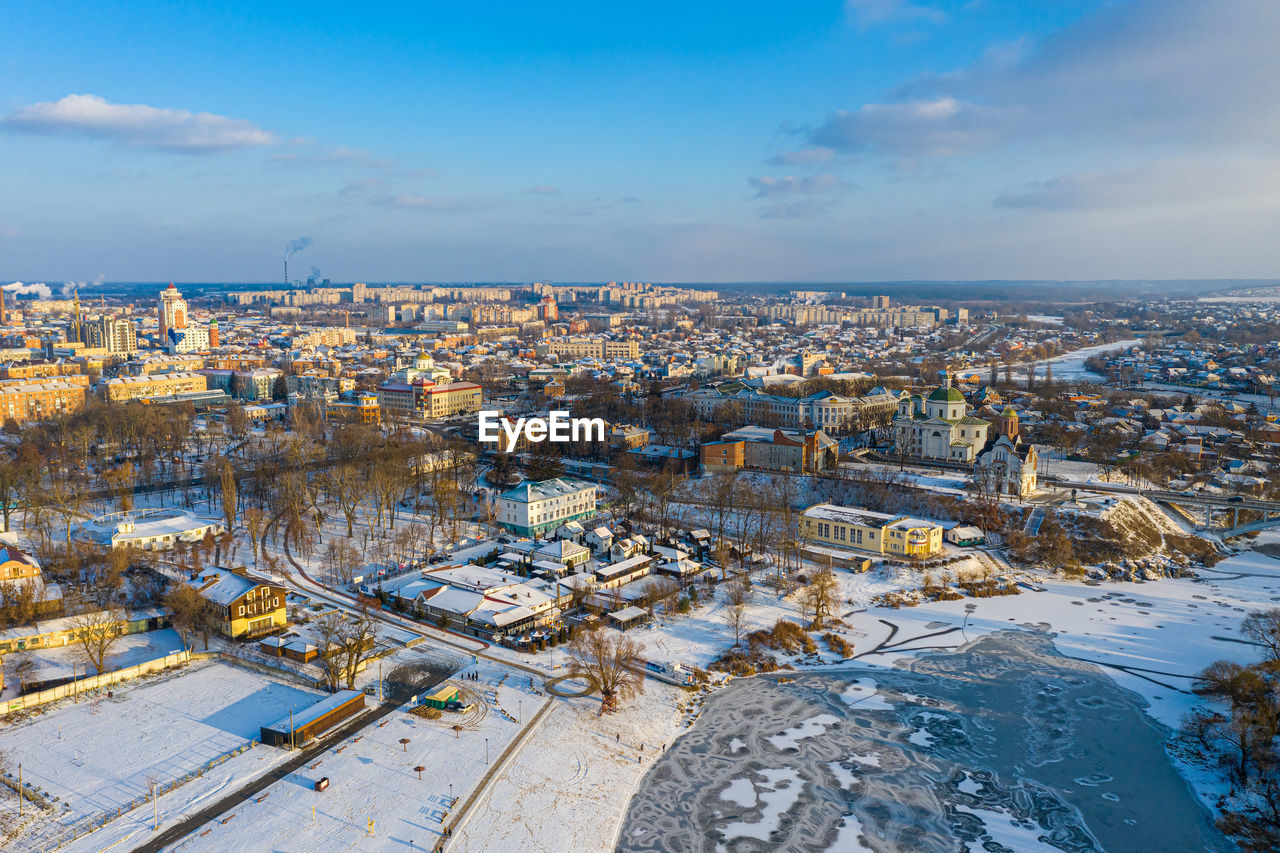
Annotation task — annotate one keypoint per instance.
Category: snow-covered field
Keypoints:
(129, 650)
(101, 754)
(372, 778)
(567, 788)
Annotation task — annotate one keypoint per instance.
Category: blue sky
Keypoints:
(707, 141)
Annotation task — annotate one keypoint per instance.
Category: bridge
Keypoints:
(1270, 509)
(1234, 504)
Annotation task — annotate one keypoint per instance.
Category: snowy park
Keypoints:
(104, 753)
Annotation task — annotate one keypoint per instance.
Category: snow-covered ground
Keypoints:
(129, 650)
(568, 787)
(1150, 638)
(568, 784)
(101, 754)
(372, 778)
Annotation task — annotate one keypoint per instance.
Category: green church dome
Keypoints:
(946, 394)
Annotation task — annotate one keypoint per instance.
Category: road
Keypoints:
(1163, 496)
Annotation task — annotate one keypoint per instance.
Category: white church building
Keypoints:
(939, 426)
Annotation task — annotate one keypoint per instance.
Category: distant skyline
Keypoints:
(703, 142)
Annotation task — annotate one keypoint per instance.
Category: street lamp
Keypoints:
(486, 751)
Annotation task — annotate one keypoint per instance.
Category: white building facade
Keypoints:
(536, 509)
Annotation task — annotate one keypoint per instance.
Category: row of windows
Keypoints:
(840, 533)
(275, 602)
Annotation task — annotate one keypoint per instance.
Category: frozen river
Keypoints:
(1071, 366)
(1000, 745)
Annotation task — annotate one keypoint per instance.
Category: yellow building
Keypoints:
(354, 408)
(455, 398)
(41, 399)
(243, 603)
(38, 369)
(593, 348)
(863, 530)
(17, 565)
(124, 388)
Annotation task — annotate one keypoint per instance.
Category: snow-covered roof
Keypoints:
(223, 586)
(456, 600)
(309, 715)
(628, 614)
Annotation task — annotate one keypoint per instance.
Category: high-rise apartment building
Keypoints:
(173, 313)
(113, 334)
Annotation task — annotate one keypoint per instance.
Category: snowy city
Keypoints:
(689, 428)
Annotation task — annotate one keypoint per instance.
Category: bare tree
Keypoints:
(190, 613)
(721, 493)
(341, 560)
(347, 487)
(230, 497)
(346, 641)
(66, 499)
(10, 489)
(984, 488)
(255, 522)
(23, 666)
(107, 570)
(656, 591)
(17, 603)
(613, 661)
(97, 633)
(737, 598)
(819, 597)
(1263, 628)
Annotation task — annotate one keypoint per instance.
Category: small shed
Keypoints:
(310, 722)
(964, 534)
(442, 695)
(301, 650)
(628, 617)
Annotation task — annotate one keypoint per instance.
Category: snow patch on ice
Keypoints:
(741, 792)
(862, 692)
(779, 792)
(809, 728)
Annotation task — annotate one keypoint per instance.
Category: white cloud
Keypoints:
(869, 13)
(1169, 185)
(1172, 72)
(804, 157)
(139, 124)
(433, 204)
(542, 189)
(931, 128)
(767, 186)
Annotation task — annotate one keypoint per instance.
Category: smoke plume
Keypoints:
(295, 246)
(39, 289)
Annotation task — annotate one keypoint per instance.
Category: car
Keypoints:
(1238, 499)
(459, 707)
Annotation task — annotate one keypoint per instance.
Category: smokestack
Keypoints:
(4, 318)
(286, 272)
